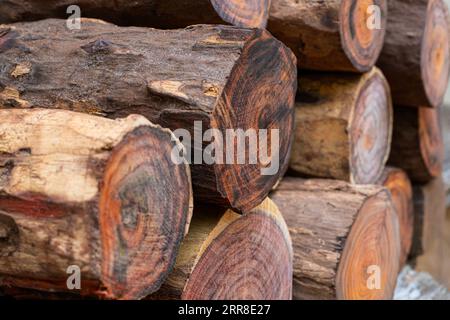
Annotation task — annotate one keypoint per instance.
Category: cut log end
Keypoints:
(140, 224)
(369, 265)
(371, 130)
(248, 103)
(251, 258)
(398, 183)
(431, 141)
(247, 13)
(362, 39)
(435, 55)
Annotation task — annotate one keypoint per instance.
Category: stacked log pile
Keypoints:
(116, 155)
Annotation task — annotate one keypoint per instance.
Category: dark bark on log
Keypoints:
(415, 56)
(398, 183)
(232, 257)
(161, 14)
(91, 192)
(338, 231)
(329, 35)
(417, 145)
(343, 127)
(222, 77)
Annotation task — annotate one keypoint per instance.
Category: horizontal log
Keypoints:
(336, 35)
(344, 237)
(161, 14)
(398, 183)
(79, 190)
(220, 77)
(417, 145)
(343, 126)
(227, 256)
(416, 56)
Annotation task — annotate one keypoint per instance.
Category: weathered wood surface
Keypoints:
(232, 257)
(416, 56)
(343, 126)
(149, 13)
(99, 194)
(220, 77)
(339, 233)
(333, 35)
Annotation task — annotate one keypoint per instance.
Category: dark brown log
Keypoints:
(431, 244)
(416, 56)
(150, 13)
(221, 77)
(344, 126)
(398, 183)
(339, 232)
(99, 194)
(233, 257)
(417, 144)
(331, 35)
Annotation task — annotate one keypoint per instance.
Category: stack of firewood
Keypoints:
(352, 87)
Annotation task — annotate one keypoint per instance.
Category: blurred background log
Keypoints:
(217, 77)
(343, 126)
(161, 14)
(338, 231)
(415, 56)
(330, 35)
(79, 190)
(417, 145)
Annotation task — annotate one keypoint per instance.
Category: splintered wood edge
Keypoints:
(362, 44)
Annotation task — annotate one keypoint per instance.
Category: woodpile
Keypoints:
(222, 161)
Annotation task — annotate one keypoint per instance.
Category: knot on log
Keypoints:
(97, 46)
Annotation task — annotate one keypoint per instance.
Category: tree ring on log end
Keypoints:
(243, 13)
(431, 143)
(140, 222)
(361, 38)
(370, 131)
(248, 103)
(251, 259)
(369, 265)
(435, 52)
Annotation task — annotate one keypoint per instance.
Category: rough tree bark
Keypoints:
(339, 232)
(149, 13)
(417, 145)
(331, 35)
(398, 183)
(344, 126)
(221, 77)
(228, 256)
(96, 193)
(415, 56)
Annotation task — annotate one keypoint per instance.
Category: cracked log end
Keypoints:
(361, 39)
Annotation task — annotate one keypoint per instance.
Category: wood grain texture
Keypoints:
(149, 13)
(221, 77)
(398, 183)
(415, 56)
(417, 145)
(330, 35)
(338, 231)
(226, 256)
(100, 194)
(343, 126)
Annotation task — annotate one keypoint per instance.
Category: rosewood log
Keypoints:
(398, 183)
(344, 237)
(415, 57)
(99, 194)
(149, 13)
(417, 145)
(229, 256)
(344, 126)
(219, 76)
(333, 35)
